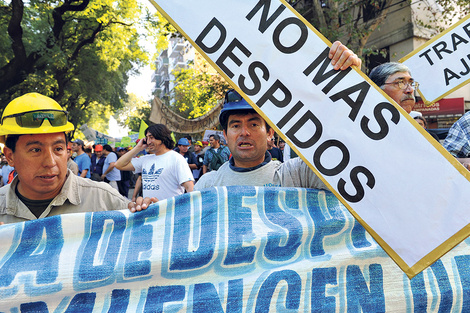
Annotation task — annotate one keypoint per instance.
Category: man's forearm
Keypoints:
(111, 167)
(138, 185)
(188, 186)
(124, 160)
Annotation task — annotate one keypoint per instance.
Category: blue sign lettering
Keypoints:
(100, 248)
(39, 243)
(182, 257)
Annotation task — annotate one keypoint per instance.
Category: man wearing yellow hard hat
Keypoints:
(33, 128)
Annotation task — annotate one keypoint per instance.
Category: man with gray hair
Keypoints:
(396, 81)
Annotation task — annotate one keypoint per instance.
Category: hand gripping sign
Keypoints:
(399, 183)
(442, 65)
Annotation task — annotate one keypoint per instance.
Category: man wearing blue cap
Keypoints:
(82, 159)
(251, 164)
(190, 157)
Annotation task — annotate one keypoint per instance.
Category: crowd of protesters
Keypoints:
(46, 182)
(97, 164)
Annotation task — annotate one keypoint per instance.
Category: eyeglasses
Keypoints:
(401, 84)
(34, 119)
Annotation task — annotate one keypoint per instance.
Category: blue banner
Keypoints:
(228, 249)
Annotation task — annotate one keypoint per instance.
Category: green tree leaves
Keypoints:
(197, 92)
(79, 52)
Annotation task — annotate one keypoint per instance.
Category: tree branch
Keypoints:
(86, 41)
(16, 70)
(58, 12)
(15, 31)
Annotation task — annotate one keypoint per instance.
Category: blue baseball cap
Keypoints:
(233, 102)
(183, 142)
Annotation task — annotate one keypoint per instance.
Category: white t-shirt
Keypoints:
(162, 175)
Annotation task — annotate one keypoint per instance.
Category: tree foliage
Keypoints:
(79, 52)
(197, 92)
(351, 21)
(164, 31)
(441, 14)
(134, 110)
(354, 21)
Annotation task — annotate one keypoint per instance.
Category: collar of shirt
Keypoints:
(267, 159)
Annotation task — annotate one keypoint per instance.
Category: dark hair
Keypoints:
(215, 136)
(242, 112)
(188, 137)
(423, 119)
(108, 148)
(161, 132)
(11, 141)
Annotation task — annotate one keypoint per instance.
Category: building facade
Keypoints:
(179, 55)
(400, 34)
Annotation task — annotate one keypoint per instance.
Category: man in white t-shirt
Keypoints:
(165, 173)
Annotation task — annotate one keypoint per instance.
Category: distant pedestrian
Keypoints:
(199, 160)
(183, 149)
(82, 159)
(216, 155)
(126, 176)
(190, 140)
(111, 174)
(276, 153)
(6, 170)
(71, 165)
(97, 163)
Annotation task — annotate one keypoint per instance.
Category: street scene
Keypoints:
(234, 156)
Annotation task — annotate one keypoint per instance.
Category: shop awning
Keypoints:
(443, 107)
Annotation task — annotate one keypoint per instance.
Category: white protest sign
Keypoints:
(209, 132)
(442, 65)
(403, 187)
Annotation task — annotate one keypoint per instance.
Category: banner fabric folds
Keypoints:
(230, 249)
(161, 114)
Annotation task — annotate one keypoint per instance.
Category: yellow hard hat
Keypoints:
(33, 113)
